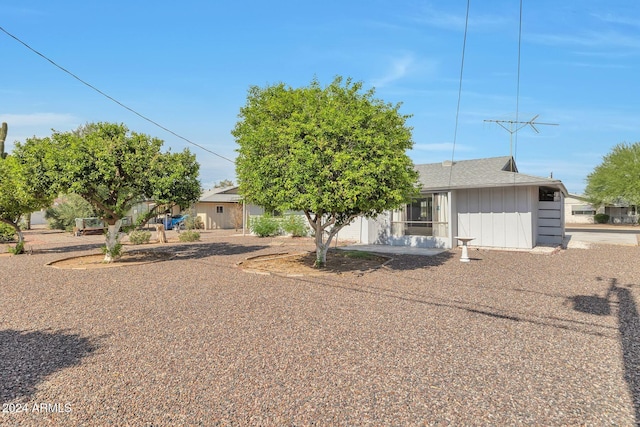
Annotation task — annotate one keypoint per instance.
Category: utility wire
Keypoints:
(455, 132)
(515, 147)
(113, 99)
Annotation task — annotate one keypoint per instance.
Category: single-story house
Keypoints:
(487, 199)
(578, 210)
(223, 208)
(620, 212)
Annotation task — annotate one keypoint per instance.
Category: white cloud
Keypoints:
(617, 19)
(398, 69)
(456, 22)
(403, 66)
(609, 39)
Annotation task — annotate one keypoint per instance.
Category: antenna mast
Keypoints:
(513, 126)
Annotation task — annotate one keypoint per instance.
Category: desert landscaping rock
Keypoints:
(510, 338)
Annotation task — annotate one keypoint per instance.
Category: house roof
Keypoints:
(479, 173)
(221, 195)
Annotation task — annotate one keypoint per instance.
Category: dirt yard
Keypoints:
(510, 338)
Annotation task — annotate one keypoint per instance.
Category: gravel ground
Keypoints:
(511, 338)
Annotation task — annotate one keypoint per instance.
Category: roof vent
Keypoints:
(447, 163)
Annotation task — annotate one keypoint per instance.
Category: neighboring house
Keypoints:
(578, 210)
(486, 199)
(620, 212)
(219, 208)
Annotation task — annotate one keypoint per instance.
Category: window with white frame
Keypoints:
(425, 216)
(582, 210)
(219, 209)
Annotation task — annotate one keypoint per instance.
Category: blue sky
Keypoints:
(188, 66)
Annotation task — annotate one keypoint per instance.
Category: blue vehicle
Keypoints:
(175, 221)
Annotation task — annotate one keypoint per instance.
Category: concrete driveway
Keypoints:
(583, 237)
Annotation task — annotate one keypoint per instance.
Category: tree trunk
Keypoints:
(112, 242)
(321, 247)
(162, 237)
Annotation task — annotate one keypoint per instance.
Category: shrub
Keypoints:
(7, 233)
(265, 226)
(139, 237)
(295, 225)
(17, 249)
(63, 216)
(193, 223)
(189, 236)
(601, 218)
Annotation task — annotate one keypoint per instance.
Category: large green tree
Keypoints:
(113, 168)
(26, 183)
(617, 178)
(333, 152)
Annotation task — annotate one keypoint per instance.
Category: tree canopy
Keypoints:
(333, 152)
(113, 168)
(617, 178)
(26, 183)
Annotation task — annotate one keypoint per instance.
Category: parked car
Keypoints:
(175, 221)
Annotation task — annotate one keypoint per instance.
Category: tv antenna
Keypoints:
(513, 126)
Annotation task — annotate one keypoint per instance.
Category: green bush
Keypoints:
(193, 223)
(601, 218)
(265, 226)
(17, 249)
(7, 233)
(295, 225)
(63, 215)
(189, 236)
(139, 237)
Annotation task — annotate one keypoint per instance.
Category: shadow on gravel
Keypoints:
(202, 250)
(27, 358)
(628, 327)
(414, 262)
(66, 248)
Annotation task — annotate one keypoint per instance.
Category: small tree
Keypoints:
(617, 178)
(113, 169)
(224, 183)
(332, 152)
(25, 183)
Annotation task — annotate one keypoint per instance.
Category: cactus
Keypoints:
(3, 136)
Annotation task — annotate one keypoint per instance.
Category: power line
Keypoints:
(455, 132)
(113, 99)
(518, 83)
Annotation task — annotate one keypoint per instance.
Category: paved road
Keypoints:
(583, 237)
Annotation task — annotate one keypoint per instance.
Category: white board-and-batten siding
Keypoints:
(498, 217)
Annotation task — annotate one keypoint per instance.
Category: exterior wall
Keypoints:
(502, 217)
(37, 217)
(354, 232)
(577, 205)
(367, 230)
(207, 211)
